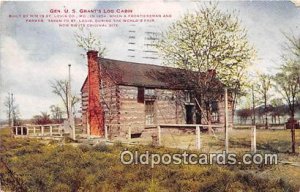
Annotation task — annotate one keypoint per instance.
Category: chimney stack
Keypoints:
(95, 110)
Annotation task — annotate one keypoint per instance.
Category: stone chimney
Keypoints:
(95, 110)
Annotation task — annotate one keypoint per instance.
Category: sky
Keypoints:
(33, 54)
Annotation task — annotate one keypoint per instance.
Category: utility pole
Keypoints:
(71, 117)
(226, 121)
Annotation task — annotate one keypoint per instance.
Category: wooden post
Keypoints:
(253, 139)
(60, 130)
(105, 132)
(42, 127)
(198, 137)
(50, 130)
(88, 128)
(226, 121)
(159, 134)
(129, 133)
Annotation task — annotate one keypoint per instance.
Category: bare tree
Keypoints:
(244, 114)
(208, 40)
(288, 85)
(277, 109)
(60, 88)
(11, 109)
(8, 105)
(292, 48)
(263, 88)
(250, 100)
(288, 79)
(56, 113)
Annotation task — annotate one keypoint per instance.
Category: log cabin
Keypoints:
(118, 93)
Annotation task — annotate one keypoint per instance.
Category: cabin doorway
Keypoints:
(189, 114)
(198, 117)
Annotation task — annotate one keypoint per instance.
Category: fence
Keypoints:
(127, 129)
(38, 130)
(52, 130)
(108, 128)
(186, 126)
(253, 135)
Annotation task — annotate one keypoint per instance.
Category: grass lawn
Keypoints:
(38, 165)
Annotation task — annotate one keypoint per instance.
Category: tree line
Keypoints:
(58, 113)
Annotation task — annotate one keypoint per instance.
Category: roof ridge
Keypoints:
(136, 63)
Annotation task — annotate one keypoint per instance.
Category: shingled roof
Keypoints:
(144, 75)
(138, 74)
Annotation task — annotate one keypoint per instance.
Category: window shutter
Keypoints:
(141, 94)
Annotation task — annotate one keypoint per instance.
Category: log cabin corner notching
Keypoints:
(121, 93)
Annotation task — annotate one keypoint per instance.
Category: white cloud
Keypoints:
(29, 80)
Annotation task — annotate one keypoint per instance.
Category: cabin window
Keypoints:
(215, 117)
(141, 95)
(150, 92)
(188, 96)
(149, 111)
(215, 112)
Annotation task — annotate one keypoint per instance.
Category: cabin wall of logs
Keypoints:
(142, 107)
